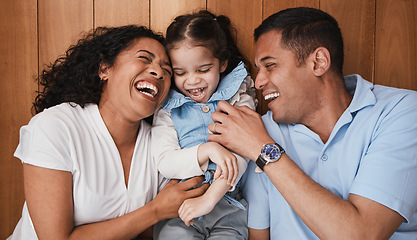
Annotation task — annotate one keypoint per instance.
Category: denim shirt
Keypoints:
(191, 119)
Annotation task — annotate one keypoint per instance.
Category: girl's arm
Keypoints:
(192, 208)
(171, 160)
(50, 203)
(174, 162)
(196, 207)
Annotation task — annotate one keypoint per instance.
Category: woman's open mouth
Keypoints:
(147, 88)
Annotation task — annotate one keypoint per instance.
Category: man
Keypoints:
(339, 155)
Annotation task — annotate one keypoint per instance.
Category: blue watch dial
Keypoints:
(271, 152)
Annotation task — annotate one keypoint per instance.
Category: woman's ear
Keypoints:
(321, 61)
(223, 65)
(103, 71)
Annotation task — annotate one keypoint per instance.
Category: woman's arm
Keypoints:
(50, 204)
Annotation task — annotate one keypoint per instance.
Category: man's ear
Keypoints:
(103, 71)
(223, 66)
(321, 61)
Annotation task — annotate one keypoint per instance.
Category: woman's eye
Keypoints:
(145, 58)
(168, 71)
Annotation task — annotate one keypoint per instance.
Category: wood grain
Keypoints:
(61, 24)
(122, 12)
(164, 11)
(18, 67)
(356, 20)
(396, 43)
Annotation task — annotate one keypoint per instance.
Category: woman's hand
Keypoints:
(170, 198)
(226, 162)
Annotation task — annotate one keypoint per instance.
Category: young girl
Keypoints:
(207, 68)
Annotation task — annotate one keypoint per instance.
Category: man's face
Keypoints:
(287, 87)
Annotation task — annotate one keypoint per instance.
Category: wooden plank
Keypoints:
(357, 21)
(121, 12)
(273, 6)
(244, 22)
(61, 24)
(18, 66)
(396, 44)
(164, 11)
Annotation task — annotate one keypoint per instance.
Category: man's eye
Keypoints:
(269, 66)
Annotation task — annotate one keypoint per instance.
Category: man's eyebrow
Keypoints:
(263, 60)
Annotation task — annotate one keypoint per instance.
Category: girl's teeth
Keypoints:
(271, 96)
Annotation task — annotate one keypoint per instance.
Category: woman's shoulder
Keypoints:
(64, 114)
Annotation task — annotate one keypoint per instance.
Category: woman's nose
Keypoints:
(156, 71)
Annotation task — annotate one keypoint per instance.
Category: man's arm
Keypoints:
(259, 234)
(327, 215)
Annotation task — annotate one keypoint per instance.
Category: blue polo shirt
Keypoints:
(371, 152)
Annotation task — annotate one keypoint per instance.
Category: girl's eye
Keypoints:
(179, 73)
(204, 70)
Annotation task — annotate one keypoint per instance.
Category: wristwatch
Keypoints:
(270, 153)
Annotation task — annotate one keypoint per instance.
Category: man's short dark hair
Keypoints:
(303, 31)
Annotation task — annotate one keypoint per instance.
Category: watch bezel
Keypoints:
(265, 155)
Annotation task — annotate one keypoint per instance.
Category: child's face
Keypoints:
(196, 71)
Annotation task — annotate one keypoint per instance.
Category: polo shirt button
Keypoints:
(324, 157)
(206, 109)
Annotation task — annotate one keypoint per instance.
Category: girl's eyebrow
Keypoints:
(207, 65)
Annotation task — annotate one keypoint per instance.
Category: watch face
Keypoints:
(271, 152)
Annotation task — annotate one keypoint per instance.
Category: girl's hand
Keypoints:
(195, 207)
(226, 162)
(170, 198)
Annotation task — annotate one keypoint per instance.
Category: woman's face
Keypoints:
(138, 82)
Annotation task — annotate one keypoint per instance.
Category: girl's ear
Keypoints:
(321, 61)
(223, 66)
(103, 71)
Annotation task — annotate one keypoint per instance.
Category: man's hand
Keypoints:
(240, 129)
(170, 198)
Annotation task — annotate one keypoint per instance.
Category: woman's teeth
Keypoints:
(271, 96)
(147, 88)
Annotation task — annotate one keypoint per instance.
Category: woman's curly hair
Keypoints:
(74, 77)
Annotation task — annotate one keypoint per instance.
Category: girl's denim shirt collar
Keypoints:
(228, 87)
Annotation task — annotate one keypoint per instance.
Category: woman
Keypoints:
(87, 167)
